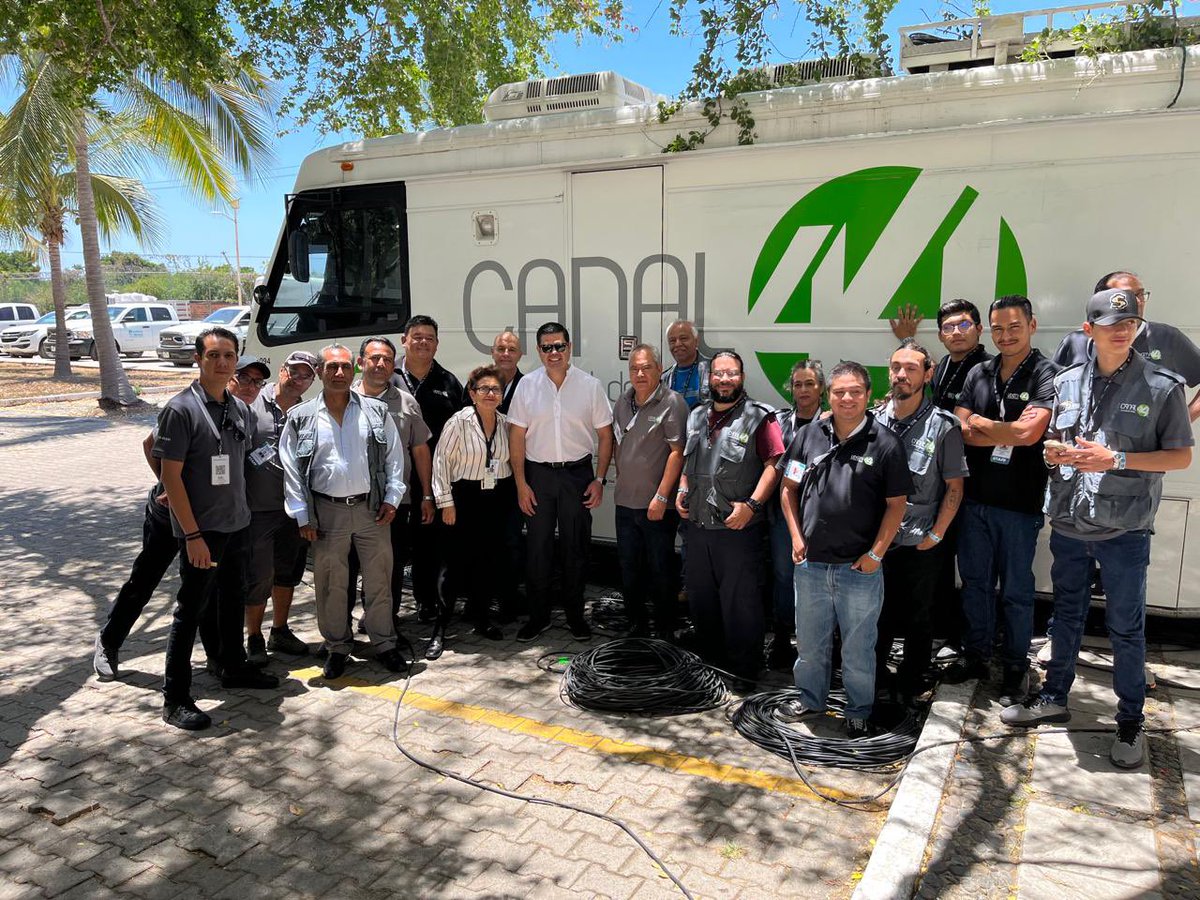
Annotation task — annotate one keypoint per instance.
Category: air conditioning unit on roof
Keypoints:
(543, 96)
(826, 69)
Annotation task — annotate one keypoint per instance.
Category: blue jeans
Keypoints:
(1123, 562)
(826, 595)
(646, 552)
(784, 571)
(997, 544)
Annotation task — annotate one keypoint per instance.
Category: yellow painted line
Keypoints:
(630, 752)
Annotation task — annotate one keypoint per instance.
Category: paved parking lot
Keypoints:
(300, 792)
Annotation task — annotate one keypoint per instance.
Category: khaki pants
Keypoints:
(341, 527)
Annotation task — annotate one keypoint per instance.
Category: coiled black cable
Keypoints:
(643, 676)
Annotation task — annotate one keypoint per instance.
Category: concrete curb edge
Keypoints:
(895, 863)
(85, 395)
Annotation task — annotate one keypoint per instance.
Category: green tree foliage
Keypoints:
(383, 66)
(18, 261)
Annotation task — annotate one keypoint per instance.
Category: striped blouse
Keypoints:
(461, 453)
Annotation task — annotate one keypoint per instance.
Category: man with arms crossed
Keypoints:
(557, 417)
(845, 489)
(1119, 422)
(344, 476)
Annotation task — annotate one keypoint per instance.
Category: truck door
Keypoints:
(616, 280)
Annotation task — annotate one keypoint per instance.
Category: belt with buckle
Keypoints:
(587, 460)
(343, 501)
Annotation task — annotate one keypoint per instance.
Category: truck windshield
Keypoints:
(114, 312)
(357, 255)
(222, 316)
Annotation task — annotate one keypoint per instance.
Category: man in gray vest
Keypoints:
(1119, 422)
(729, 474)
(689, 376)
(933, 444)
(344, 476)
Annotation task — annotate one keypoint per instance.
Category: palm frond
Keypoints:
(124, 205)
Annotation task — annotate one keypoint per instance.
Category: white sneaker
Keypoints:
(1044, 653)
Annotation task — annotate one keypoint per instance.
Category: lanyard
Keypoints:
(201, 405)
(722, 420)
(1091, 402)
(953, 371)
(487, 441)
(894, 423)
(1001, 392)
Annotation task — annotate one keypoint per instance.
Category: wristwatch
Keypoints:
(603, 481)
(754, 504)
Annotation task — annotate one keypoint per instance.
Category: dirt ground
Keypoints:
(18, 380)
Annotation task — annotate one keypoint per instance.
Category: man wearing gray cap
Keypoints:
(1118, 423)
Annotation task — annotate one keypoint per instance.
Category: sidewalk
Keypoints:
(1042, 814)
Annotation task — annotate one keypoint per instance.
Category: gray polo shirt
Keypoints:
(184, 436)
(264, 472)
(644, 437)
(406, 413)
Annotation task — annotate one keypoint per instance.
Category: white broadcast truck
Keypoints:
(974, 175)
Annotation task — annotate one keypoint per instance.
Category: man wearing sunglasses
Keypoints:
(277, 552)
(558, 416)
(959, 330)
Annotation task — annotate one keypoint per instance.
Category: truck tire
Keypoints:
(94, 354)
(182, 365)
(42, 351)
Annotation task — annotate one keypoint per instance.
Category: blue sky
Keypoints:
(649, 54)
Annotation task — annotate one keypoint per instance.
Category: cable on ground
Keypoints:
(641, 676)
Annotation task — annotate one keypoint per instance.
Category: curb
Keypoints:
(85, 395)
(895, 863)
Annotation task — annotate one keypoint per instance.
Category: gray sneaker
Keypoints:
(256, 650)
(1034, 711)
(1129, 746)
(104, 661)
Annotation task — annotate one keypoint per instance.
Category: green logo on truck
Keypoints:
(860, 205)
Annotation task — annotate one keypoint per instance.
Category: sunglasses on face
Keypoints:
(559, 347)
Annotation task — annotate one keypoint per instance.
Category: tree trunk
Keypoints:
(58, 290)
(115, 390)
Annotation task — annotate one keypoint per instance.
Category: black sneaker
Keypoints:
(782, 655)
(256, 650)
(965, 670)
(857, 729)
(392, 660)
(427, 614)
(335, 666)
(486, 629)
(1016, 686)
(213, 668)
(282, 640)
(104, 661)
(580, 630)
(249, 677)
(531, 630)
(186, 715)
(1129, 746)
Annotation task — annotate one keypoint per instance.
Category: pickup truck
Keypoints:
(177, 344)
(30, 338)
(136, 327)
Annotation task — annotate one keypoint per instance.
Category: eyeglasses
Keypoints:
(726, 376)
(246, 380)
(961, 327)
(488, 390)
(1142, 294)
(300, 373)
(559, 347)
(421, 339)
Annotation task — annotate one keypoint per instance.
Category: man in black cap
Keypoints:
(1118, 423)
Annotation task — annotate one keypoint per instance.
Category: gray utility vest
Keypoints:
(729, 470)
(303, 421)
(1125, 421)
(702, 366)
(921, 442)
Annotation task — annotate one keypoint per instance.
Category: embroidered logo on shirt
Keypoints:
(929, 445)
(1024, 395)
(865, 460)
(1143, 410)
(744, 437)
(1156, 354)
(1140, 409)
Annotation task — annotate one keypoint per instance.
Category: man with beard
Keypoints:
(932, 441)
(733, 443)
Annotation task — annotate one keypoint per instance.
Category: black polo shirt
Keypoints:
(184, 436)
(1020, 484)
(439, 394)
(949, 377)
(1160, 343)
(845, 486)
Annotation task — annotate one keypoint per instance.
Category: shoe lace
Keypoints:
(1127, 732)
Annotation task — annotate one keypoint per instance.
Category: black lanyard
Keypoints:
(722, 420)
(1093, 402)
(1001, 392)
(894, 423)
(953, 369)
(487, 441)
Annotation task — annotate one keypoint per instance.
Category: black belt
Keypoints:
(586, 461)
(343, 501)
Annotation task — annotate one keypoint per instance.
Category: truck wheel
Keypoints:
(182, 365)
(94, 353)
(42, 351)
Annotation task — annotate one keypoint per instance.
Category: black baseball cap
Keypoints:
(1112, 306)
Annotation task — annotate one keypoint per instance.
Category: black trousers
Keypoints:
(220, 587)
(401, 529)
(159, 548)
(431, 589)
(479, 561)
(723, 575)
(910, 578)
(559, 494)
(947, 598)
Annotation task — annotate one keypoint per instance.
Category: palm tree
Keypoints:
(195, 131)
(36, 211)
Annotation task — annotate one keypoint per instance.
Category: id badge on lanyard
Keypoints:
(1002, 454)
(220, 469)
(489, 475)
(262, 455)
(219, 461)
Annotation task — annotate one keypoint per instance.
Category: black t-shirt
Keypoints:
(1020, 483)
(439, 394)
(844, 486)
(950, 376)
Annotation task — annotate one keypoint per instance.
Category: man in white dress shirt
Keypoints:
(343, 465)
(557, 416)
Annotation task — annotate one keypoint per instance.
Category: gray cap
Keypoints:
(253, 362)
(1112, 306)
(302, 358)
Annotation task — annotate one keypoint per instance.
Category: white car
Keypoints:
(177, 344)
(30, 338)
(136, 327)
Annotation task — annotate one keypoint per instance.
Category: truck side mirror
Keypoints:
(298, 254)
(260, 297)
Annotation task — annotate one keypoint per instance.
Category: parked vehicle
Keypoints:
(178, 343)
(17, 312)
(30, 339)
(979, 176)
(136, 328)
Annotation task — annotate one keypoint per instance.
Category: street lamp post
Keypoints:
(237, 249)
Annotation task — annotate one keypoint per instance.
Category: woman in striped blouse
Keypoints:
(474, 489)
